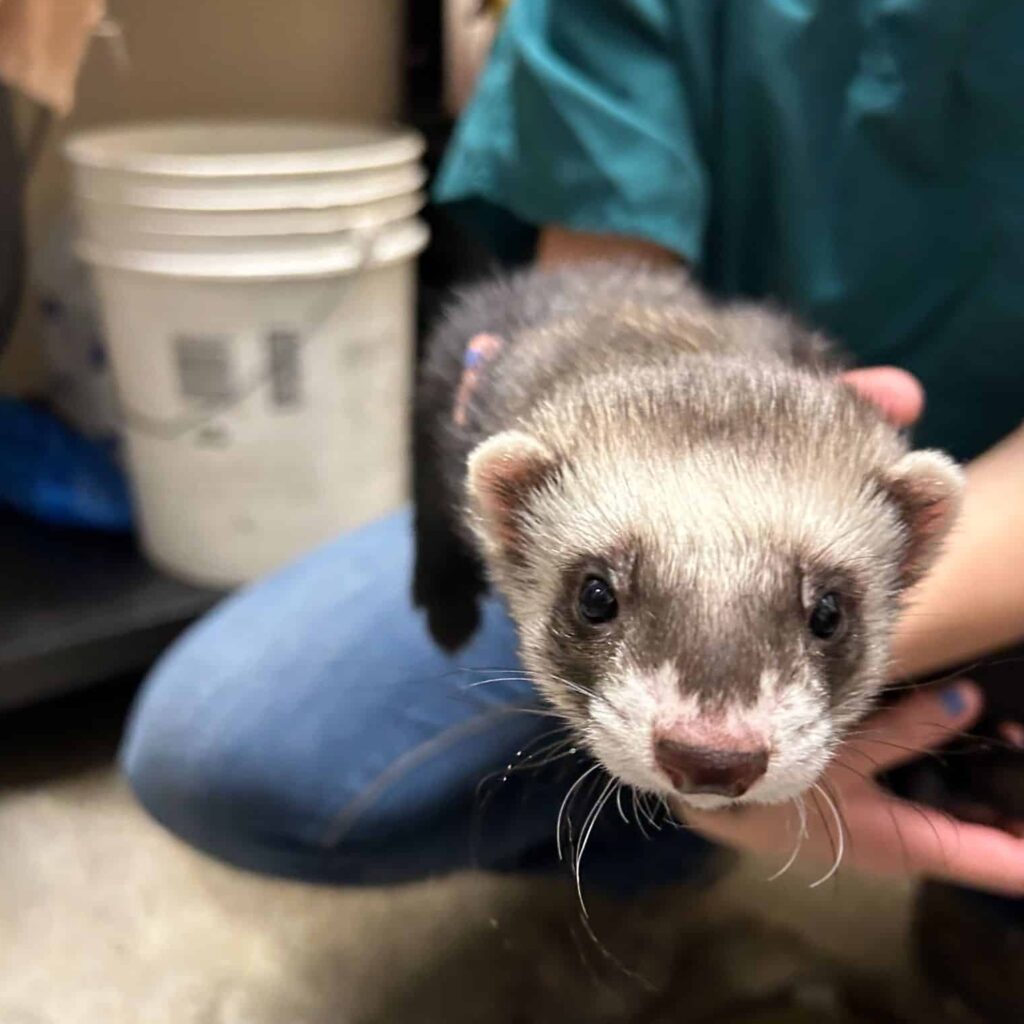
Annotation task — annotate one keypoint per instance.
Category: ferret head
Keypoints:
(709, 608)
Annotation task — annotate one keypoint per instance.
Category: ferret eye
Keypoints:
(826, 616)
(597, 601)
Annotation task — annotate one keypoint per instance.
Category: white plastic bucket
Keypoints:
(265, 401)
(80, 383)
(258, 290)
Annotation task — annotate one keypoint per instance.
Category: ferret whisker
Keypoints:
(618, 802)
(553, 758)
(905, 856)
(565, 800)
(840, 838)
(953, 820)
(588, 828)
(496, 679)
(801, 808)
(565, 813)
(995, 662)
(523, 710)
(830, 788)
(853, 748)
(910, 803)
(592, 791)
(952, 733)
(645, 807)
(518, 765)
(580, 690)
(824, 822)
(867, 736)
(850, 768)
(550, 753)
(528, 764)
(937, 682)
(643, 982)
(573, 685)
(636, 813)
(909, 685)
(616, 787)
(980, 742)
(641, 802)
(920, 811)
(657, 806)
(498, 669)
(563, 727)
(668, 816)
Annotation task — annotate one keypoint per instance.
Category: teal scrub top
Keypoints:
(862, 163)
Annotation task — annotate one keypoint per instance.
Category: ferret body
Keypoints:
(701, 534)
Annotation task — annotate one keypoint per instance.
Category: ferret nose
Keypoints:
(707, 770)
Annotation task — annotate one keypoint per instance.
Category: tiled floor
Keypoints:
(104, 919)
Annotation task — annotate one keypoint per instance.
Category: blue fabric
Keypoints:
(54, 474)
(309, 727)
(859, 162)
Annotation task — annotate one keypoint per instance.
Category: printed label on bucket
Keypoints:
(205, 371)
(283, 350)
(208, 375)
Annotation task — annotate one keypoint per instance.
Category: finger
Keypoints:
(1012, 733)
(897, 394)
(916, 725)
(939, 846)
(882, 836)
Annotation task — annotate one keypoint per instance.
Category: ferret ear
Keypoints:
(926, 487)
(503, 473)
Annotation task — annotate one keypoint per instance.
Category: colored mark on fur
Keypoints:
(480, 350)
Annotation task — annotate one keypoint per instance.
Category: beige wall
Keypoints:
(320, 58)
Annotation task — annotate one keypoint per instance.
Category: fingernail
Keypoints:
(954, 701)
(1013, 733)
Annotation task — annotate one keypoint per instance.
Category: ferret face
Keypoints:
(710, 624)
(719, 670)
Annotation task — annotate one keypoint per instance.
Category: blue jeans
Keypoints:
(309, 727)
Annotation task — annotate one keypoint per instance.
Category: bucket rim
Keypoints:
(391, 245)
(336, 219)
(368, 147)
(274, 196)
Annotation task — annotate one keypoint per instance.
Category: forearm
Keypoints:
(973, 600)
(563, 245)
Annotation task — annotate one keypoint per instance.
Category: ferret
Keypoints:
(701, 534)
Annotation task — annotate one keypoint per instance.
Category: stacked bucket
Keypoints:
(257, 288)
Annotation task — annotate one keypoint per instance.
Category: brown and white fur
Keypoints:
(707, 463)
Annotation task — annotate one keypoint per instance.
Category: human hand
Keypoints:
(879, 832)
(896, 393)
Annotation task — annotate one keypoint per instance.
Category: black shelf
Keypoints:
(78, 607)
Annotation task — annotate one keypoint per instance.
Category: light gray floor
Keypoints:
(104, 919)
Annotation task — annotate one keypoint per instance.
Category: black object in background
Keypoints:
(454, 256)
(79, 607)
